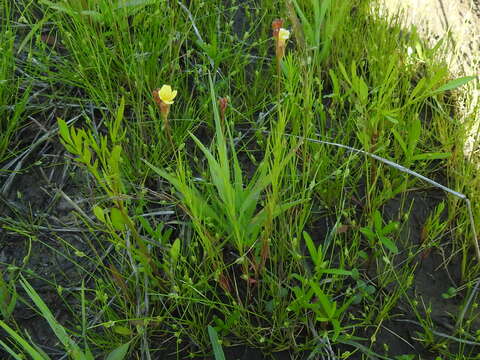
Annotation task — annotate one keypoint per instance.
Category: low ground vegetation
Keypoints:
(232, 179)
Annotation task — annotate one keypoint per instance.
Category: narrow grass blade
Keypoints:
(453, 84)
(21, 341)
(217, 348)
(9, 350)
(58, 329)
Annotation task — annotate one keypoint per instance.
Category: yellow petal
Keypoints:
(283, 34)
(166, 94)
(164, 91)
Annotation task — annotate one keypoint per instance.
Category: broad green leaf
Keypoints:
(117, 219)
(219, 174)
(99, 213)
(368, 233)
(391, 226)
(391, 119)
(190, 194)
(64, 131)
(377, 220)
(119, 353)
(220, 138)
(389, 244)
(361, 88)
(122, 330)
(175, 250)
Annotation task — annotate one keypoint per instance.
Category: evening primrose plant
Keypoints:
(232, 210)
(164, 98)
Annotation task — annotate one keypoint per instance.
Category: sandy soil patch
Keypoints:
(459, 21)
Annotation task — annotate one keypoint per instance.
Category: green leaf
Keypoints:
(335, 83)
(99, 213)
(220, 138)
(9, 350)
(389, 244)
(307, 27)
(368, 233)
(115, 127)
(59, 7)
(132, 3)
(344, 73)
(117, 219)
(311, 248)
(190, 194)
(414, 135)
(327, 305)
(335, 272)
(122, 330)
(391, 119)
(217, 348)
(63, 131)
(58, 329)
(95, 15)
(453, 84)
(361, 88)
(431, 156)
(175, 250)
(418, 88)
(147, 227)
(400, 141)
(391, 226)
(21, 342)
(119, 353)
(8, 298)
(336, 329)
(377, 220)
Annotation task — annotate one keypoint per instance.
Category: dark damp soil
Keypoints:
(42, 238)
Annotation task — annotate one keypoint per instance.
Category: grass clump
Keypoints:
(259, 201)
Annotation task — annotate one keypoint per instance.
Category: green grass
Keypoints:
(14, 91)
(285, 222)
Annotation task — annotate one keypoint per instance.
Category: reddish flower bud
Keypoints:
(276, 26)
(223, 103)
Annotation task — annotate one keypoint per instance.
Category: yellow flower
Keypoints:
(283, 35)
(166, 94)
